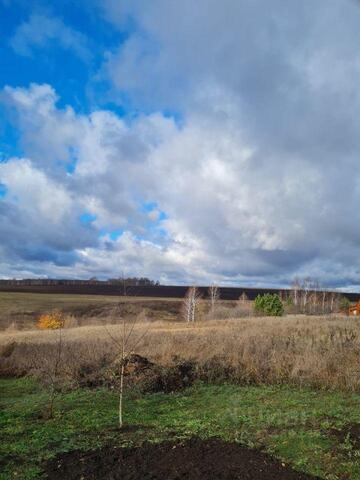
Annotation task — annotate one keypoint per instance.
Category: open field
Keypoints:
(275, 396)
(90, 288)
(21, 310)
(314, 351)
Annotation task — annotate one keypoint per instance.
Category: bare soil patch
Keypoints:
(193, 459)
(350, 432)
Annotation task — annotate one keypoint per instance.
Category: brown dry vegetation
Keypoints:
(19, 311)
(323, 352)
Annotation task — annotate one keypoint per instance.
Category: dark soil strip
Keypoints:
(165, 291)
(193, 459)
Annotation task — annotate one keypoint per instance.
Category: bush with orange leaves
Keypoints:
(51, 321)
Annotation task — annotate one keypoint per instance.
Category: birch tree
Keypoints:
(323, 300)
(305, 292)
(295, 287)
(243, 298)
(126, 343)
(191, 304)
(214, 296)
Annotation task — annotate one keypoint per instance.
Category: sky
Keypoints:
(189, 142)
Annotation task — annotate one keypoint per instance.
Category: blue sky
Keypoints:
(188, 142)
(49, 60)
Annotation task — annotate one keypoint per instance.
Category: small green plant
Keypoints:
(344, 304)
(269, 304)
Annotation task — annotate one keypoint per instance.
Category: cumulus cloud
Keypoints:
(231, 215)
(38, 217)
(41, 31)
(257, 182)
(279, 82)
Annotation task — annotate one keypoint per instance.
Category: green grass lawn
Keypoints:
(290, 423)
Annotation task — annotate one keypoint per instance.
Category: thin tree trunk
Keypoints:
(52, 400)
(121, 392)
(122, 371)
(56, 372)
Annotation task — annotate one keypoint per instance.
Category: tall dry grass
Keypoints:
(322, 352)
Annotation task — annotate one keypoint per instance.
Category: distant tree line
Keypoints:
(307, 296)
(304, 296)
(127, 281)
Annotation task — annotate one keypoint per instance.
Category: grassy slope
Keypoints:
(293, 424)
(18, 301)
(24, 308)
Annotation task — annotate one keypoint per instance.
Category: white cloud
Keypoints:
(233, 215)
(260, 179)
(43, 30)
(34, 192)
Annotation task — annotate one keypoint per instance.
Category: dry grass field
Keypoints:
(314, 351)
(21, 310)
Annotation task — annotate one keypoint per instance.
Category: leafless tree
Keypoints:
(334, 301)
(214, 295)
(309, 297)
(314, 297)
(47, 364)
(191, 304)
(243, 298)
(126, 344)
(295, 290)
(305, 290)
(323, 300)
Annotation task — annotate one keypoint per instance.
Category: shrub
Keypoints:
(269, 304)
(344, 304)
(51, 321)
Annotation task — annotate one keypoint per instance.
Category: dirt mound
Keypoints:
(144, 376)
(152, 378)
(136, 364)
(348, 433)
(193, 459)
